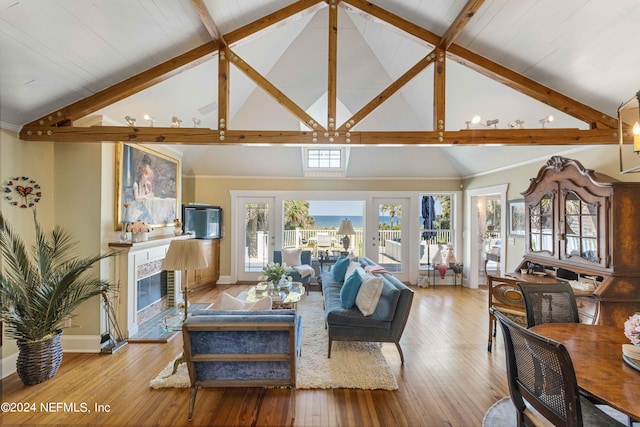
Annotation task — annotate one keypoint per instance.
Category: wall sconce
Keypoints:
(150, 119)
(545, 120)
(175, 122)
(131, 121)
(196, 122)
(516, 124)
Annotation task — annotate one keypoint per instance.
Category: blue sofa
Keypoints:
(242, 348)
(387, 322)
(305, 258)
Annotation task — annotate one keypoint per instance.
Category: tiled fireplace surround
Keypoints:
(136, 261)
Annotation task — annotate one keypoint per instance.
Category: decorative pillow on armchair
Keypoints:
(228, 302)
(291, 256)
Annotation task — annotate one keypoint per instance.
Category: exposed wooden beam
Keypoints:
(128, 87)
(390, 19)
(463, 18)
(439, 90)
(386, 93)
(223, 90)
(332, 66)
(203, 136)
(207, 20)
(268, 87)
(596, 119)
(279, 17)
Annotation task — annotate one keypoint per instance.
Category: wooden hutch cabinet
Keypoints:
(583, 226)
(210, 274)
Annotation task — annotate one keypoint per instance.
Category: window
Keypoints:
(325, 161)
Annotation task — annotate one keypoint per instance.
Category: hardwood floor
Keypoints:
(449, 379)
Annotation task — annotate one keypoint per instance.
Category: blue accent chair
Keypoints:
(305, 258)
(242, 348)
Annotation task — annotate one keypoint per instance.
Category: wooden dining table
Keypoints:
(596, 353)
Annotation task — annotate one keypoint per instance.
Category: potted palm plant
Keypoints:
(39, 289)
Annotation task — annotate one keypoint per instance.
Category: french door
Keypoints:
(256, 235)
(388, 241)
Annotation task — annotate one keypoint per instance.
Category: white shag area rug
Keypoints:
(358, 365)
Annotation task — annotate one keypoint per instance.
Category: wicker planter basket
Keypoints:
(39, 361)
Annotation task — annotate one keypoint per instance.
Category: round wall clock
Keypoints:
(22, 192)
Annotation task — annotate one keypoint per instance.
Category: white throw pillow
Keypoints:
(228, 302)
(369, 294)
(291, 256)
(352, 267)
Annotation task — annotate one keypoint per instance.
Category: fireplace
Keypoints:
(144, 289)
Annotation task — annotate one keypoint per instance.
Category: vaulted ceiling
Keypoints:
(395, 80)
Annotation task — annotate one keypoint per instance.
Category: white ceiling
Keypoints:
(56, 52)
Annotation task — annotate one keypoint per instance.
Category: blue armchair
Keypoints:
(305, 260)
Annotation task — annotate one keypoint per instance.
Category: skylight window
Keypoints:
(324, 158)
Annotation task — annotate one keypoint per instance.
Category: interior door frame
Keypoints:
(472, 227)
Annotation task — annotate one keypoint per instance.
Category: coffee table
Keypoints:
(283, 299)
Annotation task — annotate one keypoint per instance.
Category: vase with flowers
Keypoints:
(275, 273)
(139, 231)
(632, 331)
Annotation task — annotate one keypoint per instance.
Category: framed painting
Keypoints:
(147, 186)
(516, 218)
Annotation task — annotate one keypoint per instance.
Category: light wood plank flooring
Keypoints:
(449, 379)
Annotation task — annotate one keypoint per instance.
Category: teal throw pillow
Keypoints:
(349, 290)
(340, 268)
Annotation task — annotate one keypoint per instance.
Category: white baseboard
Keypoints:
(80, 343)
(225, 280)
(70, 344)
(9, 364)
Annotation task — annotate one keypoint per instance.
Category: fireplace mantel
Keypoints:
(130, 257)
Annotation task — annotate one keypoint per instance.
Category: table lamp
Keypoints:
(185, 255)
(346, 229)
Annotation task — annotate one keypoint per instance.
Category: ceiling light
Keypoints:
(131, 121)
(516, 124)
(150, 119)
(196, 122)
(175, 122)
(545, 120)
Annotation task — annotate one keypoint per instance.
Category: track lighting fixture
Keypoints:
(150, 119)
(545, 120)
(516, 124)
(493, 123)
(131, 121)
(196, 122)
(175, 122)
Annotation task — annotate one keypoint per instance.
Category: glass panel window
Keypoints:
(324, 158)
(541, 225)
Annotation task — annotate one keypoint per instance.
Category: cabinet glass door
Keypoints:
(581, 228)
(541, 225)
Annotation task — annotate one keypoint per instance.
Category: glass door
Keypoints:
(256, 234)
(389, 243)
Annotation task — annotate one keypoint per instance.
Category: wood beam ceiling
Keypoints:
(55, 127)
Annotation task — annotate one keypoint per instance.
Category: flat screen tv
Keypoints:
(203, 221)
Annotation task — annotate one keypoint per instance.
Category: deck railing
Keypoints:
(298, 237)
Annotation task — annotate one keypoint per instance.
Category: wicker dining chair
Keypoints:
(549, 303)
(542, 381)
